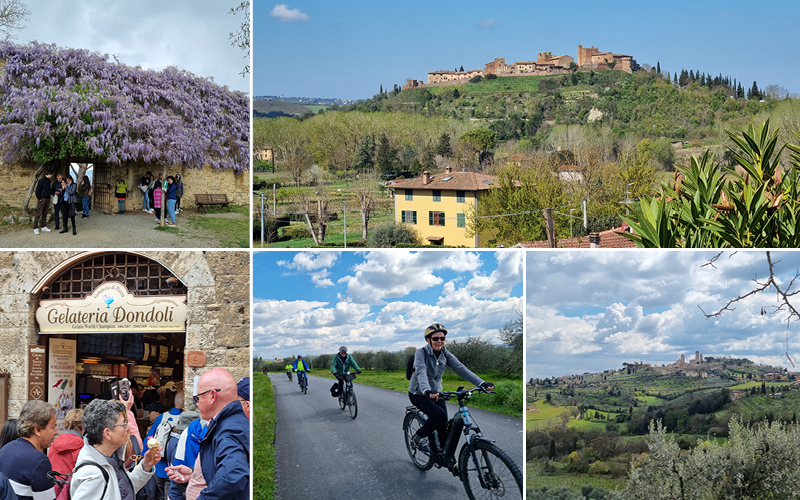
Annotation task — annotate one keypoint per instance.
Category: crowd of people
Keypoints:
(191, 455)
(64, 194)
(158, 193)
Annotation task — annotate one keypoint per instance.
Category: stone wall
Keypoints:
(16, 179)
(218, 301)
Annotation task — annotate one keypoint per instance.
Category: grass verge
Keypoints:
(507, 399)
(264, 439)
(231, 233)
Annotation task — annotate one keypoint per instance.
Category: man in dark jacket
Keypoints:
(224, 451)
(42, 203)
(55, 190)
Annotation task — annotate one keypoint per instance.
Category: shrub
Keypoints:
(392, 234)
(296, 232)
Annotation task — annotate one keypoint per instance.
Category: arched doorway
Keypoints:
(92, 346)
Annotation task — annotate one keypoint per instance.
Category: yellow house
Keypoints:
(436, 206)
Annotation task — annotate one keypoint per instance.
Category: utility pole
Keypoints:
(345, 226)
(262, 218)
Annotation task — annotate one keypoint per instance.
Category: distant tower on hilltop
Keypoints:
(683, 359)
(697, 357)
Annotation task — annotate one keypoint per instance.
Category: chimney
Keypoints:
(426, 177)
(594, 240)
(448, 169)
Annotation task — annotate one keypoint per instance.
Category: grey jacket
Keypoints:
(428, 370)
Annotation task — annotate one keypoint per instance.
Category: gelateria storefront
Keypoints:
(75, 324)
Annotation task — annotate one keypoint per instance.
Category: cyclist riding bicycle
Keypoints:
(289, 370)
(301, 367)
(430, 362)
(340, 365)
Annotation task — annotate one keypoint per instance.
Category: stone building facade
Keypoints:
(17, 179)
(594, 57)
(214, 285)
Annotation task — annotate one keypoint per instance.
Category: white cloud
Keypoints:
(285, 14)
(488, 24)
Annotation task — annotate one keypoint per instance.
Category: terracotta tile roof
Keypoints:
(460, 181)
(610, 238)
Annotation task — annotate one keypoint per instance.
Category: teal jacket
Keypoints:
(337, 365)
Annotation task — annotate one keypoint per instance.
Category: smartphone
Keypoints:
(115, 390)
(125, 389)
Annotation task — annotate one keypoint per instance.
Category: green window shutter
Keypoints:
(414, 216)
(460, 196)
(409, 194)
(460, 222)
(442, 217)
(430, 218)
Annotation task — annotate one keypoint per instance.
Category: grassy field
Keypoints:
(536, 479)
(507, 400)
(263, 413)
(232, 233)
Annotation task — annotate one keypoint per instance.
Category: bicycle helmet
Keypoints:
(343, 348)
(436, 327)
(299, 356)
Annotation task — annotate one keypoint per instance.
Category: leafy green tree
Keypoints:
(707, 207)
(755, 463)
(365, 156)
(481, 141)
(443, 146)
(386, 156)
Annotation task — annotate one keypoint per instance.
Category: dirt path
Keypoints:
(135, 229)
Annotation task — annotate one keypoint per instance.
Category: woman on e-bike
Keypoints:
(430, 362)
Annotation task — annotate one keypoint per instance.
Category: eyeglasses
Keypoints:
(196, 398)
(437, 339)
(123, 424)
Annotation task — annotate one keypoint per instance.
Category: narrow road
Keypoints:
(323, 453)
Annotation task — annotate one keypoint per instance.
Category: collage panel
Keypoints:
(355, 354)
(662, 372)
(124, 126)
(103, 352)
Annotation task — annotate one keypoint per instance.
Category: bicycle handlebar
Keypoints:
(461, 392)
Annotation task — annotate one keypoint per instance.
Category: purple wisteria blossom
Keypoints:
(78, 105)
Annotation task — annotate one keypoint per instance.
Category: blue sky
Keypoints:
(348, 49)
(154, 34)
(594, 310)
(312, 302)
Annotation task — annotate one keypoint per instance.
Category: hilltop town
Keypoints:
(546, 63)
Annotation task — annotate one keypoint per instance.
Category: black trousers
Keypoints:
(58, 208)
(436, 411)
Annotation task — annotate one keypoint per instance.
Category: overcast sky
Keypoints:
(594, 310)
(153, 34)
(313, 302)
(349, 49)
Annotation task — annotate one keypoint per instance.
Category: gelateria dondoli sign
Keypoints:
(112, 308)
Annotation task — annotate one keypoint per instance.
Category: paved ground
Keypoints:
(135, 229)
(320, 452)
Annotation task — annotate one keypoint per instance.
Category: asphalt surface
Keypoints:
(133, 229)
(323, 453)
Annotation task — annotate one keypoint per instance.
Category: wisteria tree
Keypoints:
(73, 105)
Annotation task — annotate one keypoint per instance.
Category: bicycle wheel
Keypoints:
(411, 425)
(342, 403)
(352, 403)
(501, 476)
(304, 385)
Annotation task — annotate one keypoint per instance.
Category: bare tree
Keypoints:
(241, 37)
(366, 189)
(314, 207)
(12, 14)
(783, 295)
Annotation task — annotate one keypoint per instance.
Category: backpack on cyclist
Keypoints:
(63, 481)
(410, 365)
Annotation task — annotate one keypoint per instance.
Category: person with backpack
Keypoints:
(341, 364)
(100, 472)
(301, 367)
(63, 454)
(161, 430)
(425, 385)
(23, 460)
